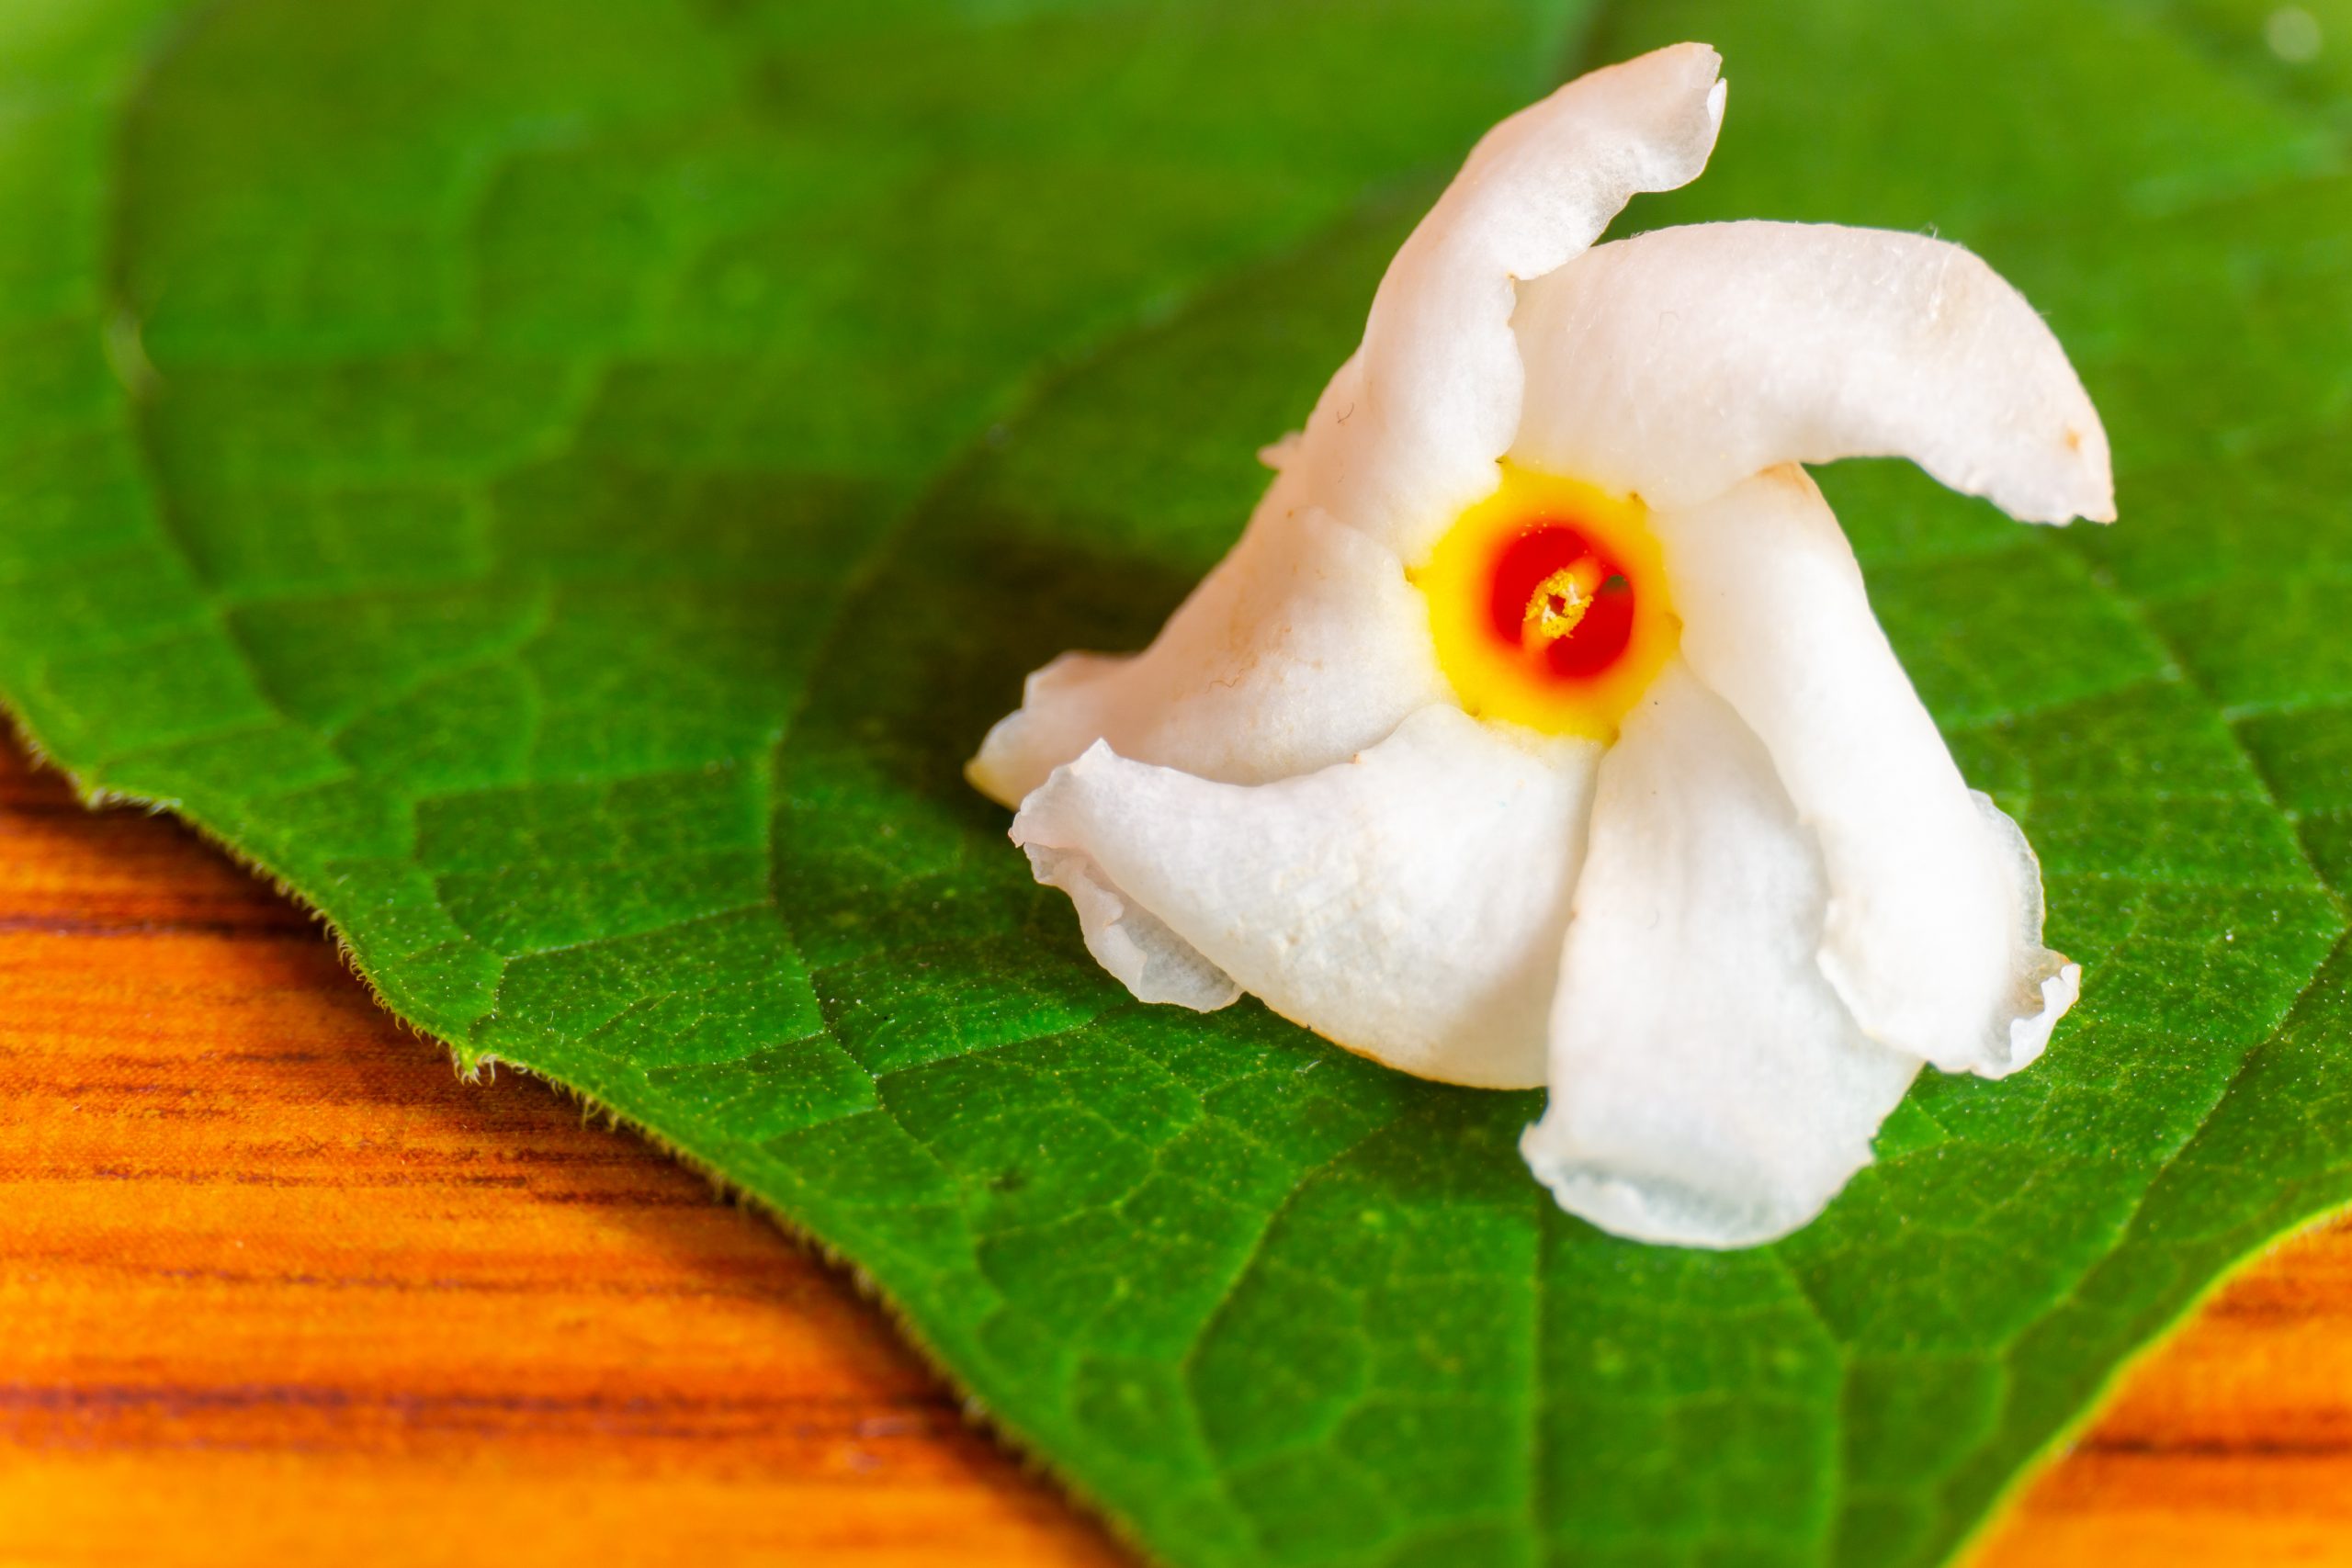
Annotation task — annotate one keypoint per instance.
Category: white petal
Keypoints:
(1934, 930)
(1304, 646)
(1675, 364)
(1408, 904)
(1708, 1088)
(1408, 433)
(1129, 940)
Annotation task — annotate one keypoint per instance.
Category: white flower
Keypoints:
(1538, 730)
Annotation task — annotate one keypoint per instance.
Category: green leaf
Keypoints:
(564, 487)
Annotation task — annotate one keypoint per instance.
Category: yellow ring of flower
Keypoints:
(1497, 680)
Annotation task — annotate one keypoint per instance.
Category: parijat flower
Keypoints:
(1538, 729)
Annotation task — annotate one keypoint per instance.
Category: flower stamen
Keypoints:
(1559, 604)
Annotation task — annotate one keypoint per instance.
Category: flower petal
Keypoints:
(1129, 940)
(1303, 646)
(1675, 364)
(1408, 433)
(1934, 930)
(1408, 904)
(1708, 1088)
(1306, 645)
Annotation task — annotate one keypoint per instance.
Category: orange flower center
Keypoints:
(1549, 607)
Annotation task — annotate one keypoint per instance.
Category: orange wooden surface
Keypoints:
(276, 1287)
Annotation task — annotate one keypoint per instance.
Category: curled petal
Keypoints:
(1708, 1088)
(1934, 930)
(1408, 431)
(1305, 645)
(1129, 940)
(1406, 904)
(1675, 364)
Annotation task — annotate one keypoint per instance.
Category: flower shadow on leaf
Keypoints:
(880, 842)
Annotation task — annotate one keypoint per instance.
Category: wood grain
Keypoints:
(277, 1287)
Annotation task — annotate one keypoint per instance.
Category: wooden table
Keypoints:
(277, 1287)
